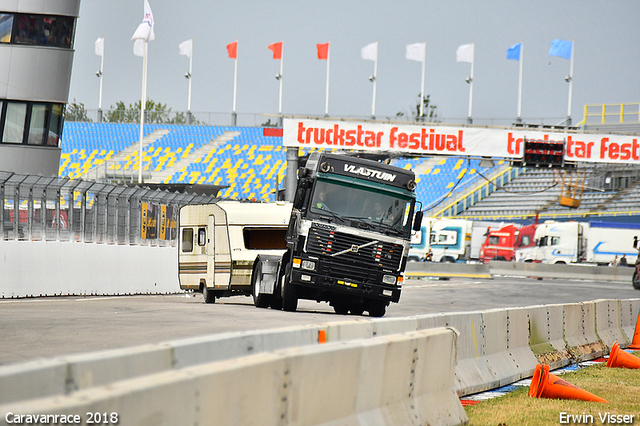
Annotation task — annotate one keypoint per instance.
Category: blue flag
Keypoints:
(514, 52)
(561, 48)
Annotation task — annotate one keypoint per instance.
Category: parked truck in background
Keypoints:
(421, 240)
(218, 244)
(348, 237)
(455, 240)
(511, 242)
(597, 243)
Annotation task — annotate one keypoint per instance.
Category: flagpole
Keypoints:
(473, 60)
(375, 82)
(280, 96)
(190, 76)
(101, 74)
(143, 101)
(519, 118)
(424, 61)
(235, 87)
(326, 103)
(570, 80)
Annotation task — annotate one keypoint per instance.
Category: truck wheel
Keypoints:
(636, 280)
(209, 295)
(260, 300)
(341, 308)
(447, 259)
(289, 296)
(377, 308)
(356, 309)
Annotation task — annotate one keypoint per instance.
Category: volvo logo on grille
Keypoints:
(354, 248)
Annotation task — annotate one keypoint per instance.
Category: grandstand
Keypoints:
(251, 166)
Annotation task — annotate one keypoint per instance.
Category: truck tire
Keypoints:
(260, 300)
(289, 297)
(356, 308)
(341, 308)
(377, 308)
(636, 280)
(209, 295)
(289, 294)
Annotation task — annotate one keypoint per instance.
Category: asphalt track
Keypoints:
(46, 327)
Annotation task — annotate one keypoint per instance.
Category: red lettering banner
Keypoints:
(438, 139)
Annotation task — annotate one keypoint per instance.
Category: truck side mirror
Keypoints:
(635, 242)
(417, 222)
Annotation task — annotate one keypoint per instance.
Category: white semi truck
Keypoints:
(585, 242)
(219, 242)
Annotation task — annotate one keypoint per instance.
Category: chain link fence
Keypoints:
(38, 208)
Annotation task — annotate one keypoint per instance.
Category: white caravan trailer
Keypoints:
(218, 244)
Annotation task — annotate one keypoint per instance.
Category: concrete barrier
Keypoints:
(629, 314)
(397, 379)
(609, 323)
(579, 272)
(580, 332)
(68, 268)
(472, 372)
(546, 339)
(495, 347)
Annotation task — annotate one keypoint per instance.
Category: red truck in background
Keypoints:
(503, 243)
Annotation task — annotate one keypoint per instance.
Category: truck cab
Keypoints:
(348, 237)
(560, 242)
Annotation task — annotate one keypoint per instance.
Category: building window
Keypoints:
(55, 127)
(38, 124)
(26, 29)
(6, 25)
(42, 120)
(37, 30)
(16, 115)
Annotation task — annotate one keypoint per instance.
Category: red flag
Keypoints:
(276, 48)
(323, 51)
(232, 48)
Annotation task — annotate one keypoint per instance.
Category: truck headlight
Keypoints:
(309, 265)
(389, 279)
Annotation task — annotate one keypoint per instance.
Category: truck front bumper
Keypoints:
(324, 283)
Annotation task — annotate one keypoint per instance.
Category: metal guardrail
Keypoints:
(518, 269)
(38, 208)
(612, 114)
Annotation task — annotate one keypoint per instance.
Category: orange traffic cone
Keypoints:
(635, 343)
(546, 385)
(622, 359)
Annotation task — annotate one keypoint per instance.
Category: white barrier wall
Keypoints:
(53, 268)
(494, 347)
(400, 379)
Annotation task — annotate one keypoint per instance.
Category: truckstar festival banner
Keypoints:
(436, 139)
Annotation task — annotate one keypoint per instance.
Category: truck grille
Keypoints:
(324, 242)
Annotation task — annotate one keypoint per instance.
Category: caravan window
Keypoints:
(202, 237)
(264, 238)
(187, 240)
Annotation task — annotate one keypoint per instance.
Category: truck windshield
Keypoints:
(348, 202)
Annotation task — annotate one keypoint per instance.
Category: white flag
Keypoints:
(370, 52)
(415, 52)
(465, 53)
(138, 48)
(100, 46)
(145, 29)
(186, 47)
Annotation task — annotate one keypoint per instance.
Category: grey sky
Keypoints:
(606, 34)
